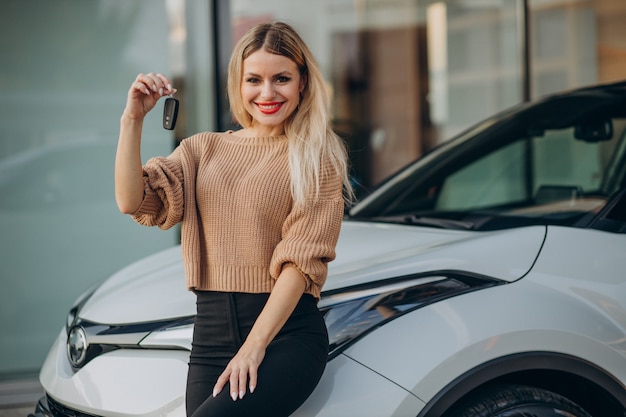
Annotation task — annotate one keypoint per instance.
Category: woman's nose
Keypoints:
(267, 91)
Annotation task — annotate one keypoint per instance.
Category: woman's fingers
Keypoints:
(238, 384)
(253, 379)
(145, 91)
(241, 371)
(152, 83)
(238, 379)
(221, 381)
(166, 83)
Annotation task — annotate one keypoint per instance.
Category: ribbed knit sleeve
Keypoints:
(310, 234)
(163, 203)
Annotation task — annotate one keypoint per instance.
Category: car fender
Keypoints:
(440, 342)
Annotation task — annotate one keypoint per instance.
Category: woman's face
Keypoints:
(270, 90)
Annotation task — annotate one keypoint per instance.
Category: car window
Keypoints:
(547, 177)
(561, 161)
(531, 171)
(498, 178)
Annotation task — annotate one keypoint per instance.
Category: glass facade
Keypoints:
(405, 76)
(408, 74)
(65, 71)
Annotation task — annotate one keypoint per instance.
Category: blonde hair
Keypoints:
(312, 142)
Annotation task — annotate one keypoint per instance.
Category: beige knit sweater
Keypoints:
(239, 226)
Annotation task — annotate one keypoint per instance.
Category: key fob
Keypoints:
(170, 112)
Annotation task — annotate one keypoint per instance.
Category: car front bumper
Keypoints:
(148, 382)
(123, 382)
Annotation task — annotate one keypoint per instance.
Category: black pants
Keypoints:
(293, 364)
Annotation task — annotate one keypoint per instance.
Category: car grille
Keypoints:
(59, 410)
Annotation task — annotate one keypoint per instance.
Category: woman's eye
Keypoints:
(252, 80)
(283, 79)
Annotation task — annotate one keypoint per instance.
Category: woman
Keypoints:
(261, 210)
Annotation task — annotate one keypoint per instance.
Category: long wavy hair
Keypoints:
(313, 145)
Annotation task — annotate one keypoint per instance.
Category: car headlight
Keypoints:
(351, 313)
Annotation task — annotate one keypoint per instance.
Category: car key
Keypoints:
(170, 113)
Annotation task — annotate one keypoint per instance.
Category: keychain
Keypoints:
(170, 112)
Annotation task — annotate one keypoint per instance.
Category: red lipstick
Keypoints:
(269, 107)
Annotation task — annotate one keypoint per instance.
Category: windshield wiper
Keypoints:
(439, 222)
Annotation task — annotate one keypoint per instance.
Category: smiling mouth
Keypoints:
(269, 108)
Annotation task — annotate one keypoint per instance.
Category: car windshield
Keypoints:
(531, 167)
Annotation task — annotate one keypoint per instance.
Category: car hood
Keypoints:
(154, 288)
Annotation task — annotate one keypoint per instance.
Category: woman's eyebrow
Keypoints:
(253, 74)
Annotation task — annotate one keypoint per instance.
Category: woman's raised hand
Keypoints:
(145, 92)
(143, 95)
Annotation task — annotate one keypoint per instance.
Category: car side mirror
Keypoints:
(594, 130)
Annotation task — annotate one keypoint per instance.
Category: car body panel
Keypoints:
(151, 289)
(348, 388)
(402, 250)
(154, 288)
(151, 384)
(450, 338)
(153, 379)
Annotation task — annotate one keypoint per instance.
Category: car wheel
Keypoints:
(518, 401)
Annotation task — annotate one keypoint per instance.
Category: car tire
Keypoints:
(518, 401)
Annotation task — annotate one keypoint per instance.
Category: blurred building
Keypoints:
(405, 75)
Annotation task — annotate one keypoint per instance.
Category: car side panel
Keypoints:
(348, 388)
(439, 343)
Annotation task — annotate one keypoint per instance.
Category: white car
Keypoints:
(486, 279)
